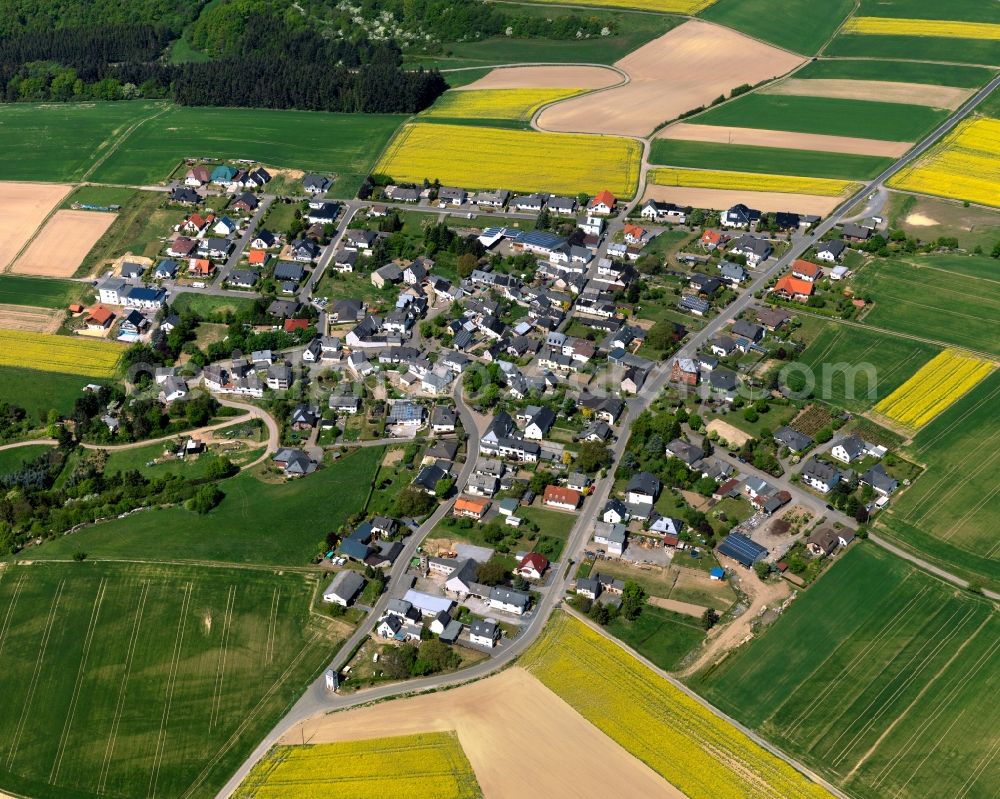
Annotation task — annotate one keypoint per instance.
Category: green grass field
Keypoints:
(902, 71)
(970, 10)
(632, 30)
(42, 292)
(136, 459)
(802, 26)
(962, 51)
(972, 226)
(61, 141)
(770, 160)
(955, 299)
(277, 524)
(209, 306)
(11, 460)
(99, 195)
(949, 513)
(863, 118)
(347, 144)
(877, 677)
(39, 392)
(146, 680)
(660, 635)
(837, 346)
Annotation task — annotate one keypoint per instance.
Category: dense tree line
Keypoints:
(17, 16)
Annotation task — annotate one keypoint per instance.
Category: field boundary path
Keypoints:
(115, 145)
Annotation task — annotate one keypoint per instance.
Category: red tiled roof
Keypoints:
(563, 496)
(792, 286)
(605, 197)
(535, 560)
(806, 268)
(100, 315)
(296, 324)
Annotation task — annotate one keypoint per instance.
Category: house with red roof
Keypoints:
(806, 270)
(200, 267)
(603, 203)
(258, 257)
(634, 234)
(532, 566)
(793, 288)
(712, 239)
(561, 498)
(99, 318)
(291, 325)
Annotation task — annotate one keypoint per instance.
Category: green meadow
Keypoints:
(863, 118)
(774, 160)
(878, 677)
(929, 48)
(42, 292)
(802, 26)
(146, 680)
(281, 524)
(901, 71)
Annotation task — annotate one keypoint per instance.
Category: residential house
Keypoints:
(794, 440)
(316, 184)
(723, 346)
(532, 566)
(223, 175)
(792, 288)
(99, 318)
(539, 422)
(611, 536)
(562, 206)
(805, 270)
(246, 202)
(712, 240)
(748, 330)
(361, 240)
(588, 587)
(484, 632)
(528, 202)
(471, 507)
(197, 176)
(603, 203)
(294, 462)
(754, 249)
(739, 216)
(643, 488)
(561, 498)
(451, 196)
(182, 247)
(733, 274)
(131, 271)
(305, 250)
(386, 275)
(820, 476)
(166, 269)
(684, 370)
(682, 450)
(344, 588)
(852, 232)
(656, 211)
(696, 306)
(402, 194)
(824, 541)
(830, 251)
(443, 419)
(509, 600)
(185, 195)
(880, 480)
(848, 449)
(615, 512)
(243, 278)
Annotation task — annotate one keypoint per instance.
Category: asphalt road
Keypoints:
(318, 700)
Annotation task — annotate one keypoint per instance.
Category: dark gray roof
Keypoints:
(742, 549)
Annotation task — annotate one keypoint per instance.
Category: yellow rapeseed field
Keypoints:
(888, 26)
(694, 750)
(517, 160)
(748, 181)
(940, 382)
(664, 6)
(965, 165)
(518, 104)
(76, 356)
(426, 766)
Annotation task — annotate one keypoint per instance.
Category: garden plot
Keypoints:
(686, 68)
(23, 207)
(60, 247)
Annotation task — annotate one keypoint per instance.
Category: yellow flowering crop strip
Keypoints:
(664, 6)
(517, 104)
(694, 750)
(941, 28)
(965, 165)
(425, 766)
(76, 356)
(749, 181)
(517, 160)
(940, 382)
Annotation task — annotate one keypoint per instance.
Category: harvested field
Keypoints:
(30, 319)
(885, 90)
(549, 77)
(685, 68)
(23, 207)
(723, 198)
(721, 134)
(570, 756)
(728, 433)
(63, 243)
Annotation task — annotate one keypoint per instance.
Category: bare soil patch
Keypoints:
(23, 206)
(60, 247)
(685, 68)
(921, 220)
(885, 91)
(719, 199)
(686, 608)
(720, 134)
(568, 756)
(728, 433)
(29, 319)
(547, 77)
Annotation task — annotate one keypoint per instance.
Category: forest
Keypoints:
(322, 56)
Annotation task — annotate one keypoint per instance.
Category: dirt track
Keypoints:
(23, 207)
(60, 247)
(494, 718)
(720, 134)
(725, 198)
(685, 68)
(885, 91)
(29, 319)
(547, 77)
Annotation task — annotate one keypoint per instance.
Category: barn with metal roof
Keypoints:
(742, 549)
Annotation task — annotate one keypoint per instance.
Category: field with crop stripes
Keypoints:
(949, 298)
(949, 513)
(145, 680)
(707, 758)
(938, 383)
(516, 104)
(78, 356)
(517, 160)
(886, 26)
(748, 181)
(663, 6)
(885, 694)
(965, 165)
(427, 766)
